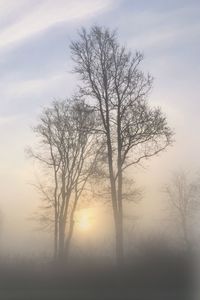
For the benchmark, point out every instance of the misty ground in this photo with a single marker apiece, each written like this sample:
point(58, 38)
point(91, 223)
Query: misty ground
point(158, 274)
point(87, 294)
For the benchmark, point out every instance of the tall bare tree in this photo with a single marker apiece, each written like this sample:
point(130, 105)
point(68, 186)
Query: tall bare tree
point(117, 88)
point(68, 150)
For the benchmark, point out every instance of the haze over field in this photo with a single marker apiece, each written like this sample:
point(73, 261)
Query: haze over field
point(35, 68)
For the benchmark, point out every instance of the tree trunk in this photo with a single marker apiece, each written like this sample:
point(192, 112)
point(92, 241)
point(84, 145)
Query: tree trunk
point(119, 241)
point(120, 233)
point(61, 240)
point(116, 191)
point(117, 214)
point(185, 234)
point(114, 204)
point(68, 241)
point(56, 239)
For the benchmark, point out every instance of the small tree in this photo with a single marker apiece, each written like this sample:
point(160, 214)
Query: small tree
point(183, 196)
point(111, 77)
point(68, 151)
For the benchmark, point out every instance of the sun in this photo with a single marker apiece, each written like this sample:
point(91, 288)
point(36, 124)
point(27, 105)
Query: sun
point(84, 222)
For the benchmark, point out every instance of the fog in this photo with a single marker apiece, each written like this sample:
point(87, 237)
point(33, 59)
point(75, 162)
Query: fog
point(36, 69)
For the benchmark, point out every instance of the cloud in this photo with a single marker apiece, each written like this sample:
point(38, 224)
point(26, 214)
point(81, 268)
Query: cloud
point(166, 37)
point(43, 14)
point(156, 29)
point(28, 96)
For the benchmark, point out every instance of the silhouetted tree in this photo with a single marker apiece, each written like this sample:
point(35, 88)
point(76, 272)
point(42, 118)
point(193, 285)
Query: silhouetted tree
point(111, 77)
point(68, 150)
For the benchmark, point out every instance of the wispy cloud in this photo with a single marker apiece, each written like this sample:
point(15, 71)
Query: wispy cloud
point(28, 96)
point(43, 14)
point(161, 28)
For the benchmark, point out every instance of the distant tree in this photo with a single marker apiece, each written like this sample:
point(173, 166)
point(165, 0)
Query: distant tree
point(118, 90)
point(68, 150)
point(183, 196)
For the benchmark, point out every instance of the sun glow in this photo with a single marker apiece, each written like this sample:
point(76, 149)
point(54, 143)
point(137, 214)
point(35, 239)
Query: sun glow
point(84, 222)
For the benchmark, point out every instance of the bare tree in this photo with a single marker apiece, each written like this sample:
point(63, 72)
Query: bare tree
point(68, 150)
point(117, 88)
point(183, 196)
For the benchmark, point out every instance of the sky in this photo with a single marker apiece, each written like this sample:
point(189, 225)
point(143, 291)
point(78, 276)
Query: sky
point(35, 68)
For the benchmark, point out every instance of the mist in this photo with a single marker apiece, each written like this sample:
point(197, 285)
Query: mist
point(100, 173)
